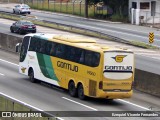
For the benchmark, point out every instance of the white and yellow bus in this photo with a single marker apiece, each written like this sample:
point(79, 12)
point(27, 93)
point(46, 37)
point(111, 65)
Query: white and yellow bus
point(78, 64)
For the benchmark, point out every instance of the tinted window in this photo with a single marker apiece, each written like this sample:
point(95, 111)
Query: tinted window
point(32, 46)
point(73, 54)
point(70, 53)
point(91, 58)
point(24, 48)
point(60, 50)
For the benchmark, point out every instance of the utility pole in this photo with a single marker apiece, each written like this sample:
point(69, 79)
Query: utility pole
point(86, 9)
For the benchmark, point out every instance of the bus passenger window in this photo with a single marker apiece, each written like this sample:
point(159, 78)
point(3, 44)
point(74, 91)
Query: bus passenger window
point(38, 46)
point(48, 48)
point(32, 44)
point(92, 58)
point(95, 59)
point(43, 45)
point(88, 58)
point(52, 51)
point(81, 59)
point(60, 51)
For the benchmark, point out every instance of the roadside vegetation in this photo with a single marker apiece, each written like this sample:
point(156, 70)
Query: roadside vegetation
point(113, 10)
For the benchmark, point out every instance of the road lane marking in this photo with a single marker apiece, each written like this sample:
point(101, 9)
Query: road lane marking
point(133, 104)
point(28, 105)
point(80, 103)
point(1, 74)
point(9, 62)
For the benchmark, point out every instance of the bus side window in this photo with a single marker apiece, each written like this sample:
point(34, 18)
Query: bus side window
point(60, 51)
point(32, 44)
point(43, 45)
point(81, 59)
point(38, 46)
point(53, 49)
point(95, 59)
point(24, 48)
point(71, 54)
point(92, 58)
point(48, 48)
point(88, 58)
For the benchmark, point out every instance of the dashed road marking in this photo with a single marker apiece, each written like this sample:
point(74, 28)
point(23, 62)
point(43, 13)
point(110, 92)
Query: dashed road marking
point(1, 74)
point(8, 62)
point(80, 103)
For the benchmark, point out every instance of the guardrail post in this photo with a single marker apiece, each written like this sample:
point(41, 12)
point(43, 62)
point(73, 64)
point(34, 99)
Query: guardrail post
point(37, 3)
point(60, 5)
point(66, 6)
point(48, 4)
point(73, 7)
point(80, 7)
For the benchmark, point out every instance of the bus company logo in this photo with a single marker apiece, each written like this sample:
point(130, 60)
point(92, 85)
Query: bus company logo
point(23, 69)
point(119, 58)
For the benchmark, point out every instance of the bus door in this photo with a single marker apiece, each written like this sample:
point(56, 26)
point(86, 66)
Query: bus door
point(118, 71)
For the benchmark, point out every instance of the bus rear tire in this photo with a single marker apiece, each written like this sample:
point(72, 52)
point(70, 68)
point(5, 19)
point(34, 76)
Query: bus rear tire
point(81, 92)
point(31, 76)
point(72, 89)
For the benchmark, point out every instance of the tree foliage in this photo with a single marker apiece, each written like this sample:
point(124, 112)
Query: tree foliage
point(119, 6)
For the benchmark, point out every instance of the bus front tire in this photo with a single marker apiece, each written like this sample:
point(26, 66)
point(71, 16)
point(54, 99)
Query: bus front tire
point(31, 76)
point(72, 89)
point(81, 92)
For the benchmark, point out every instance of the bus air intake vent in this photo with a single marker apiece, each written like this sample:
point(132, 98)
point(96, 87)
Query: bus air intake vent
point(92, 87)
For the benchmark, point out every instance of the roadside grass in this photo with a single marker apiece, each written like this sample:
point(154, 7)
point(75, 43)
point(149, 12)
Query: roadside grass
point(81, 31)
point(144, 45)
point(10, 106)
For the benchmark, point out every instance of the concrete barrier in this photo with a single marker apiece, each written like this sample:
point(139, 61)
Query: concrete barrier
point(144, 81)
point(147, 82)
point(8, 42)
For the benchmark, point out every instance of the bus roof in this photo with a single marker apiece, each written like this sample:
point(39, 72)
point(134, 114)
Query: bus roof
point(74, 39)
point(78, 41)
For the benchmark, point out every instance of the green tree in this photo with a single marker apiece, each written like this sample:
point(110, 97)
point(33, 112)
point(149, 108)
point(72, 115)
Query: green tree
point(119, 7)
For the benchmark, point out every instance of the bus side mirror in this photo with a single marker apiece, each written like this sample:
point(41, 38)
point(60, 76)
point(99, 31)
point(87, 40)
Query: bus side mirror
point(18, 47)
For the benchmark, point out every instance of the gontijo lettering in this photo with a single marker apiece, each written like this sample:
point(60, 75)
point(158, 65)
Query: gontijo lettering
point(67, 66)
point(118, 69)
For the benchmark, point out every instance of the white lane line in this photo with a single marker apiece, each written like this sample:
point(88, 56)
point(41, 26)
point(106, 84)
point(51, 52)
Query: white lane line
point(1, 74)
point(80, 103)
point(9, 62)
point(133, 104)
point(21, 102)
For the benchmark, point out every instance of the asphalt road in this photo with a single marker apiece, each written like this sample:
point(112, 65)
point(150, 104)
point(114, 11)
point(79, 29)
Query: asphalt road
point(147, 60)
point(51, 98)
point(124, 31)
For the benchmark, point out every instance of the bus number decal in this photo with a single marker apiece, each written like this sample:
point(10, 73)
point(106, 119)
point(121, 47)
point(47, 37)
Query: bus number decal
point(91, 73)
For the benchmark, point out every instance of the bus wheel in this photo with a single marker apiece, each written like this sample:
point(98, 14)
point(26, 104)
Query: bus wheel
point(31, 76)
point(72, 89)
point(81, 92)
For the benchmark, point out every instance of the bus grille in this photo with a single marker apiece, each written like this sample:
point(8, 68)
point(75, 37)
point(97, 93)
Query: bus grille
point(92, 87)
